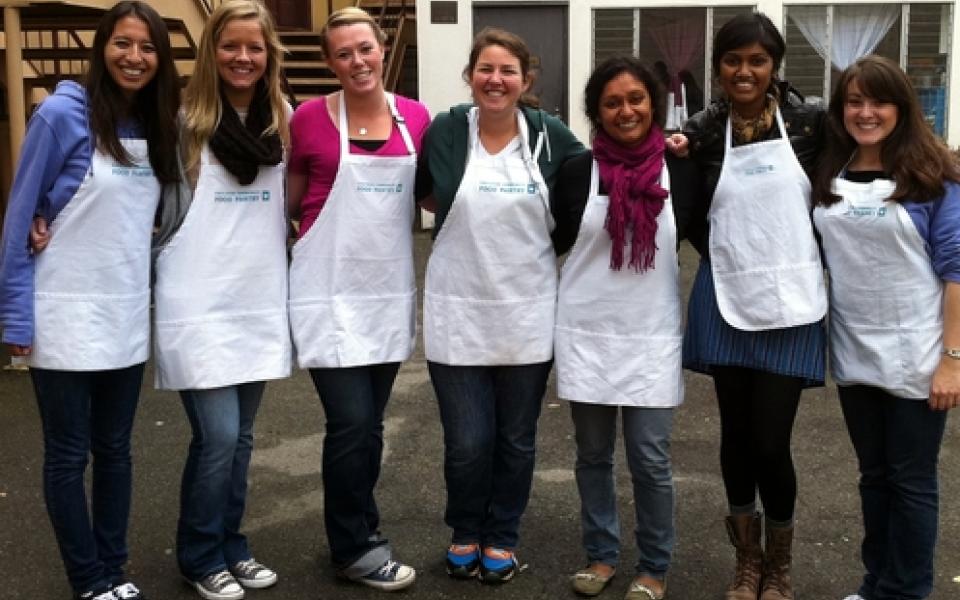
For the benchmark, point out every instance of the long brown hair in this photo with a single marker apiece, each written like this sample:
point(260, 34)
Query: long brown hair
point(917, 160)
point(155, 106)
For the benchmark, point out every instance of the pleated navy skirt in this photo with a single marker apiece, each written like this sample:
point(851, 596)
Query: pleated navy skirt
point(709, 341)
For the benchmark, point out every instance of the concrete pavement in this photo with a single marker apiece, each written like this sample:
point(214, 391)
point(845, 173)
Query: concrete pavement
point(285, 522)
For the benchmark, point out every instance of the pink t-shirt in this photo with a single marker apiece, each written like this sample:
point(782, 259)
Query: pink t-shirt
point(315, 149)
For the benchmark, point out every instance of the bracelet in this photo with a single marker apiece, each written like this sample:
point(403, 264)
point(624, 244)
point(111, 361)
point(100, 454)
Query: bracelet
point(953, 353)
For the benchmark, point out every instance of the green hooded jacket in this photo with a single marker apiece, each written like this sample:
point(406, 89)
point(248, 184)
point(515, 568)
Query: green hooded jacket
point(443, 157)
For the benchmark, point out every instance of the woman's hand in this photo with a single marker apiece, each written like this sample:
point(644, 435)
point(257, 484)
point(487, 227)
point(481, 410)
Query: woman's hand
point(945, 387)
point(678, 145)
point(39, 238)
point(16, 350)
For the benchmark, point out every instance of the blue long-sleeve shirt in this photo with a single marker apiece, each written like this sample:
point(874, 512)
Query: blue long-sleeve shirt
point(938, 223)
point(54, 159)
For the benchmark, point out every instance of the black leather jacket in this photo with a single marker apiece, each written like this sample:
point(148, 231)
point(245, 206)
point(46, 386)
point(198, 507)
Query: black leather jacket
point(706, 130)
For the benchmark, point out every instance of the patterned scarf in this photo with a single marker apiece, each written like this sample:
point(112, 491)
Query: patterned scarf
point(631, 177)
point(747, 130)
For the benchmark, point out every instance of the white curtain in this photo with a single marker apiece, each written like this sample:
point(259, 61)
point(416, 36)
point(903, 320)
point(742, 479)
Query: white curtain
point(857, 29)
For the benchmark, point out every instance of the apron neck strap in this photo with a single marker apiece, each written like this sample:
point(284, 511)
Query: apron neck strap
point(594, 179)
point(401, 123)
point(398, 119)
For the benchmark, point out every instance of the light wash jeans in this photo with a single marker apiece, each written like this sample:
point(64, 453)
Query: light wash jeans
point(646, 434)
point(213, 493)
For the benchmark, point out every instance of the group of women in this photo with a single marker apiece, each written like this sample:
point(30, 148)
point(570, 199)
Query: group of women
point(512, 189)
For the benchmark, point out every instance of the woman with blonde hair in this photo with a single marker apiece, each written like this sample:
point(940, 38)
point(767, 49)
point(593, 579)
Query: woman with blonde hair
point(221, 289)
point(352, 287)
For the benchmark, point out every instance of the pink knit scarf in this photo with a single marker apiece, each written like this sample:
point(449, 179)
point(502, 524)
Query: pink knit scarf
point(631, 177)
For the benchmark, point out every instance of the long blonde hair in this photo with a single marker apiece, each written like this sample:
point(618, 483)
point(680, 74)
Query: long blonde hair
point(202, 108)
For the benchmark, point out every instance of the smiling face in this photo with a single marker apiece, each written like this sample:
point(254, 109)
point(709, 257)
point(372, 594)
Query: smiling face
point(745, 75)
point(497, 81)
point(868, 121)
point(130, 55)
point(626, 111)
point(241, 59)
point(356, 57)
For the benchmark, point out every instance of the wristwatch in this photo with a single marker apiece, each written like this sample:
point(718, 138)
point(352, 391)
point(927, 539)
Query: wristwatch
point(953, 353)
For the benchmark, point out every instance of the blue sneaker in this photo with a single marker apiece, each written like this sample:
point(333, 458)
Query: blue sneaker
point(389, 576)
point(497, 565)
point(463, 561)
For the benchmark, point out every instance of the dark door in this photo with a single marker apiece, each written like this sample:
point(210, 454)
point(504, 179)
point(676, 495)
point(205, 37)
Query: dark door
point(544, 28)
point(290, 14)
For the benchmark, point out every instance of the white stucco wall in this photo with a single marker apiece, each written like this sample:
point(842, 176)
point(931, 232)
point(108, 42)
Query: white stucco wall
point(443, 50)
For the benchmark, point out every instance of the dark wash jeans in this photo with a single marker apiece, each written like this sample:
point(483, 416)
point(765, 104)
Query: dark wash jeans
point(897, 442)
point(489, 416)
point(88, 413)
point(354, 399)
point(213, 493)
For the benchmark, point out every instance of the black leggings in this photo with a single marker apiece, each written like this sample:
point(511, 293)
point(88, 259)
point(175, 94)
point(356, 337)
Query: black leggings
point(757, 410)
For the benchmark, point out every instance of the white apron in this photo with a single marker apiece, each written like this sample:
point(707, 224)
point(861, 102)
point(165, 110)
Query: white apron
point(886, 301)
point(765, 261)
point(92, 294)
point(221, 289)
point(619, 333)
point(352, 283)
point(491, 283)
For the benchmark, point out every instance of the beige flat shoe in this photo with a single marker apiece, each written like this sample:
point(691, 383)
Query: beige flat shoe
point(644, 588)
point(589, 581)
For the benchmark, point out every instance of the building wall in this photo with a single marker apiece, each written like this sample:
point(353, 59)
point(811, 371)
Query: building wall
point(443, 49)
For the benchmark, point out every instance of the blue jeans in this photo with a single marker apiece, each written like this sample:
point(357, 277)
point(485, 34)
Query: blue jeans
point(489, 417)
point(646, 436)
point(213, 493)
point(354, 400)
point(897, 442)
point(82, 413)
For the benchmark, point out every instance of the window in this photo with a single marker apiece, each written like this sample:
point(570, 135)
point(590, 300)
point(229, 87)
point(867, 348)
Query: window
point(914, 35)
point(673, 42)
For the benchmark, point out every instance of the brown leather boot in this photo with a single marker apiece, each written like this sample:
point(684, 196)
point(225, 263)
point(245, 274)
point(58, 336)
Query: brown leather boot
point(744, 531)
point(776, 564)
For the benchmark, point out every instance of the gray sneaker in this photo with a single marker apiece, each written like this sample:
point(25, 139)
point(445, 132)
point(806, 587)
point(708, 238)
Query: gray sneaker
point(219, 586)
point(251, 574)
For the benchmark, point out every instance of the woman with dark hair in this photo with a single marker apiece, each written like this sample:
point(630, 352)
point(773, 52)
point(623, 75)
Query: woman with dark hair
point(623, 209)
point(888, 212)
point(92, 164)
point(491, 296)
point(758, 299)
point(221, 288)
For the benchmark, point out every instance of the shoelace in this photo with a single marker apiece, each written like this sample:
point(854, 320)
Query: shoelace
point(221, 580)
point(125, 591)
point(388, 569)
point(248, 567)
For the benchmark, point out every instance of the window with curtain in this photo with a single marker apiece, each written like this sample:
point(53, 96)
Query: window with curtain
point(822, 40)
point(672, 42)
